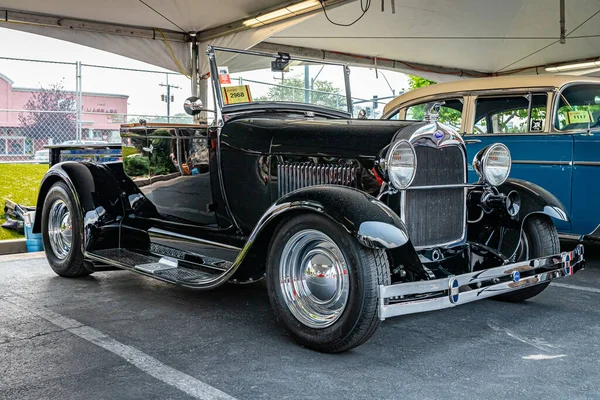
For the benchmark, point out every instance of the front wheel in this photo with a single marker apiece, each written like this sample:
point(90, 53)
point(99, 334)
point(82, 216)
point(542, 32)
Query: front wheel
point(539, 238)
point(323, 285)
point(62, 232)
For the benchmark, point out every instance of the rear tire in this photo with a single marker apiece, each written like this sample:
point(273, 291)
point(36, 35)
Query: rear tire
point(541, 239)
point(325, 293)
point(62, 232)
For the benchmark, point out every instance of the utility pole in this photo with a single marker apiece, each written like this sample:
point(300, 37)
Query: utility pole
point(168, 98)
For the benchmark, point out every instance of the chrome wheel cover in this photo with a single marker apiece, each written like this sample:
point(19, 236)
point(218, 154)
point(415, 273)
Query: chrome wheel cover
point(313, 274)
point(60, 233)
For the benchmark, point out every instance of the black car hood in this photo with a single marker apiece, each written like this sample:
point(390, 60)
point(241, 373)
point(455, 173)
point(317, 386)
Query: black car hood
point(301, 136)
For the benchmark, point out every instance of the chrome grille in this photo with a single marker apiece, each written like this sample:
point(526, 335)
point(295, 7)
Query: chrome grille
point(294, 176)
point(436, 216)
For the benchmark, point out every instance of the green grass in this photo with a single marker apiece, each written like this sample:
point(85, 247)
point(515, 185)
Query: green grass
point(19, 183)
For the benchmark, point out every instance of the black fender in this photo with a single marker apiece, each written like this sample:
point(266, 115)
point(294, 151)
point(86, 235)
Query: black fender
point(369, 220)
point(535, 200)
point(96, 193)
point(501, 232)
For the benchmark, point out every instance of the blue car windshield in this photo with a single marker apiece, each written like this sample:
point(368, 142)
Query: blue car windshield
point(579, 107)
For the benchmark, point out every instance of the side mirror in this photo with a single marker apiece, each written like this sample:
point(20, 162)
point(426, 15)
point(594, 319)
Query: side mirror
point(193, 105)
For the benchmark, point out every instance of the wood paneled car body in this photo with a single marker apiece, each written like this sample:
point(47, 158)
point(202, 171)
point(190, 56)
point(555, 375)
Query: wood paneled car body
point(350, 221)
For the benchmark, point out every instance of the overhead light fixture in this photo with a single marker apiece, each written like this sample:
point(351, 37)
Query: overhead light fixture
point(573, 67)
point(289, 11)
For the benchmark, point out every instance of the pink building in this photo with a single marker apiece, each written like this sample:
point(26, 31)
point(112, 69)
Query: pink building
point(101, 117)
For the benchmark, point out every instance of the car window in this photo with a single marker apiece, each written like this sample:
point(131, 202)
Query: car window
point(578, 108)
point(510, 114)
point(450, 112)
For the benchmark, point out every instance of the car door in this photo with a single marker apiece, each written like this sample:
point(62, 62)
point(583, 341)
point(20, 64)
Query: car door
point(578, 115)
point(520, 121)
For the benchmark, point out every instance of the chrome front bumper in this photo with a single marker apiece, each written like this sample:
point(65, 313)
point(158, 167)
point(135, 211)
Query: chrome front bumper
point(421, 296)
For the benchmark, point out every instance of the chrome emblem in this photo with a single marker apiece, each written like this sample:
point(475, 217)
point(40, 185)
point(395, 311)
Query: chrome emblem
point(516, 276)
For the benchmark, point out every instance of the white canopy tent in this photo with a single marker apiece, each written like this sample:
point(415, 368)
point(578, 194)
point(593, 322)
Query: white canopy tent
point(438, 39)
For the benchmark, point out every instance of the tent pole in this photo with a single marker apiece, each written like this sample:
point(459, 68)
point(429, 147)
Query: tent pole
point(194, 67)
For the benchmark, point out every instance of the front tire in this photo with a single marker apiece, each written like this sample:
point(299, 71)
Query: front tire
point(323, 285)
point(62, 232)
point(539, 239)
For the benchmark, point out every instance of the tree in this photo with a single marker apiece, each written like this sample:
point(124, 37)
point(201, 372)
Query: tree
point(51, 115)
point(447, 115)
point(323, 93)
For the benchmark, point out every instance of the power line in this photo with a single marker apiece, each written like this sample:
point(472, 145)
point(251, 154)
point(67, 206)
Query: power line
point(551, 44)
point(364, 10)
point(162, 15)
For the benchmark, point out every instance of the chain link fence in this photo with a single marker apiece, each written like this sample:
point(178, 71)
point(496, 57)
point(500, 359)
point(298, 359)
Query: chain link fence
point(45, 103)
point(48, 103)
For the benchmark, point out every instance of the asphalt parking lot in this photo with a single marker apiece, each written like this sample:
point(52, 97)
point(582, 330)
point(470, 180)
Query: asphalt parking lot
point(119, 335)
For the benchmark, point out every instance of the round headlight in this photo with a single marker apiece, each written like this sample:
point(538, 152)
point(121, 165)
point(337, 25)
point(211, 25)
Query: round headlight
point(401, 164)
point(492, 164)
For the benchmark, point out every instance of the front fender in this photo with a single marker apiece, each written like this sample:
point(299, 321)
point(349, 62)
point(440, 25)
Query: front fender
point(96, 193)
point(370, 221)
point(502, 233)
point(535, 200)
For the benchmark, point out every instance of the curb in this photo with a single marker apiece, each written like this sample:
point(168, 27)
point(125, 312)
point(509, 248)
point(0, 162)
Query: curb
point(13, 246)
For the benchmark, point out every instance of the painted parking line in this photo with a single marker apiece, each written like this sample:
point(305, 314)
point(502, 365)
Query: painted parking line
point(583, 288)
point(150, 365)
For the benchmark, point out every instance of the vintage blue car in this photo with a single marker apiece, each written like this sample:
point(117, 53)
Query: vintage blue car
point(550, 124)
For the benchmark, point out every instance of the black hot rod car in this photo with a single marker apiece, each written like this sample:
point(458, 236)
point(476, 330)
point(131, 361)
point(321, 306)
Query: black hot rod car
point(350, 221)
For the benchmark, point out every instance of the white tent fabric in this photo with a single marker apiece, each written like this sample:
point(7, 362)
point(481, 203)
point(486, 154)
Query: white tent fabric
point(480, 37)
point(154, 52)
point(489, 36)
point(179, 15)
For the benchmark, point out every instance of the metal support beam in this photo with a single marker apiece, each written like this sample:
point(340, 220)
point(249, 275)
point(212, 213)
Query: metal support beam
point(363, 61)
point(563, 29)
point(23, 17)
point(239, 26)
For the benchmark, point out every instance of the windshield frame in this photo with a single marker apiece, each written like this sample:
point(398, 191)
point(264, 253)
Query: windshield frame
point(214, 74)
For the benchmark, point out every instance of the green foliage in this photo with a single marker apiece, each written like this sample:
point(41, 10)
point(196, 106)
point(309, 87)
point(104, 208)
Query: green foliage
point(162, 156)
point(136, 165)
point(292, 89)
point(447, 115)
point(415, 82)
point(19, 183)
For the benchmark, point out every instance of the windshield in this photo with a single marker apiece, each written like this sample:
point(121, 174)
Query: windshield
point(250, 78)
point(579, 108)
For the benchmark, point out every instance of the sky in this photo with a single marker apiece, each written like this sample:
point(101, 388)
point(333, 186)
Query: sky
point(142, 87)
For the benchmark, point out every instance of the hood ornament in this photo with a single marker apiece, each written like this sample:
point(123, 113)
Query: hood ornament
point(432, 111)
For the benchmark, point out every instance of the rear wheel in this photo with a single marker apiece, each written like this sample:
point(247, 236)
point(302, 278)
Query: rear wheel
point(538, 239)
point(323, 285)
point(62, 232)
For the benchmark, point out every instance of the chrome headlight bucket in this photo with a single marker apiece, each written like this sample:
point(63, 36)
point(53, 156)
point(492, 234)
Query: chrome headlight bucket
point(492, 164)
point(401, 164)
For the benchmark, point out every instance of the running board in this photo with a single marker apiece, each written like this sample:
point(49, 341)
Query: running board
point(166, 268)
